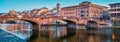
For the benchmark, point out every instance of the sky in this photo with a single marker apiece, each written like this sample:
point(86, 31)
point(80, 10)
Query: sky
point(22, 5)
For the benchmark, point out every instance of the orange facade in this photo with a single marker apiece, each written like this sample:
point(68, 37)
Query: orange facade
point(84, 9)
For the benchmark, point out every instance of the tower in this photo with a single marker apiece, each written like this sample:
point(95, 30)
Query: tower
point(58, 7)
point(58, 10)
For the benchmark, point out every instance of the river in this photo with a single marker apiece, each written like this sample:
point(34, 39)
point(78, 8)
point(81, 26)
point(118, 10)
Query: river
point(61, 33)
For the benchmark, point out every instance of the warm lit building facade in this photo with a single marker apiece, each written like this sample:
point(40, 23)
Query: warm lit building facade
point(84, 9)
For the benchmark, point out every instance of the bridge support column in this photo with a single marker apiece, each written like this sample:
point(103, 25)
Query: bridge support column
point(3, 21)
point(98, 25)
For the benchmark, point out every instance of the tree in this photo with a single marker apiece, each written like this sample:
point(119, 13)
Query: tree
point(115, 22)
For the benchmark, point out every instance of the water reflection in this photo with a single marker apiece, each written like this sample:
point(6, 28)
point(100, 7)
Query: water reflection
point(68, 33)
point(53, 31)
point(116, 35)
point(64, 34)
point(22, 30)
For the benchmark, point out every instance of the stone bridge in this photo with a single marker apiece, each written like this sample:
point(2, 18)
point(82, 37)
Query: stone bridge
point(38, 21)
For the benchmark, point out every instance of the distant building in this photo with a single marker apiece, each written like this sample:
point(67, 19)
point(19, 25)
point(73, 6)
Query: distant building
point(114, 12)
point(41, 11)
point(57, 10)
point(84, 10)
point(1, 14)
point(12, 12)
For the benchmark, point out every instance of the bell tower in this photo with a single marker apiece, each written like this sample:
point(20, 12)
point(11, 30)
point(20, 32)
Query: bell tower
point(58, 7)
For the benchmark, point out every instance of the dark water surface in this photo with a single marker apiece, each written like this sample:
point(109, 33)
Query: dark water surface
point(60, 34)
point(65, 34)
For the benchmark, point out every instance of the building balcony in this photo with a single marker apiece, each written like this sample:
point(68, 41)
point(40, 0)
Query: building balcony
point(115, 12)
point(115, 8)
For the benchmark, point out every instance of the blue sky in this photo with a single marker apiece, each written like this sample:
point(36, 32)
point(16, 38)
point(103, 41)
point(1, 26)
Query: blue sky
point(21, 5)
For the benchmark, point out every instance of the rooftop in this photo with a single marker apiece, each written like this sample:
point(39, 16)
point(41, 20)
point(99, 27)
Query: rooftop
point(84, 3)
point(114, 3)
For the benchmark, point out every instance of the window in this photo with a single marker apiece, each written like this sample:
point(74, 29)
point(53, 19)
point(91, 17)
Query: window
point(103, 12)
point(118, 14)
point(69, 13)
point(87, 15)
point(112, 6)
point(82, 15)
point(82, 11)
point(87, 11)
point(111, 9)
point(119, 5)
point(112, 15)
point(118, 9)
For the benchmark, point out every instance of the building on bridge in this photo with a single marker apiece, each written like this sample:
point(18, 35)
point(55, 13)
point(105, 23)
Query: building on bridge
point(57, 10)
point(84, 9)
point(32, 13)
point(114, 11)
point(39, 12)
point(12, 12)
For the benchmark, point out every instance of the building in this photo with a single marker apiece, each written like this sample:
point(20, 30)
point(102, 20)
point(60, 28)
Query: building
point(12, 12)
point(84, 10)
point(114, 12)
point(1, 14)
point(57, 10)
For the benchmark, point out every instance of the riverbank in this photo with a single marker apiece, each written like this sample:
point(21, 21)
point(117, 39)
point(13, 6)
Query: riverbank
point(7, 37)
point(114, 27)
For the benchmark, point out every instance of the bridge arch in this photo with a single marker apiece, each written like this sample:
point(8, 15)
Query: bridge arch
point(65, 20)
point(70, 24)
point(91, 24)
point(11, 22)
point(92, 21)
point(69, 21)
point(34, 23)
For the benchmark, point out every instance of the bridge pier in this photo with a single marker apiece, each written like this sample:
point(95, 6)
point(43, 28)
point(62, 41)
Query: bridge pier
point(3, 21)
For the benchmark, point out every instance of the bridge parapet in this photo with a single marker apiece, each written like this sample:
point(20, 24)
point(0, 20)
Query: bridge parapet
point(40, 20)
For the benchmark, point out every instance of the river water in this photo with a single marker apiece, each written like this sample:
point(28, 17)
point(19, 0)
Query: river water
point(62, 33)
